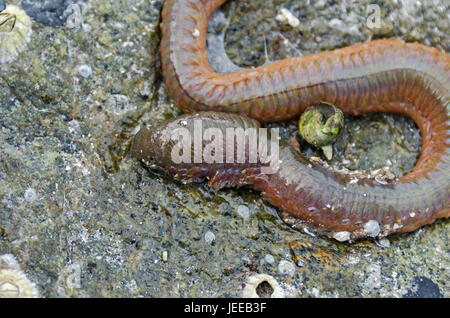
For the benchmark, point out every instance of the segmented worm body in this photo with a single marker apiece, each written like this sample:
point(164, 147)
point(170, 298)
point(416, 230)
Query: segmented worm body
point(379, 76)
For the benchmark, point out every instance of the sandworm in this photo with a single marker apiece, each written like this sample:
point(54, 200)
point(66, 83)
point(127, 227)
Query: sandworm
point(383, 75)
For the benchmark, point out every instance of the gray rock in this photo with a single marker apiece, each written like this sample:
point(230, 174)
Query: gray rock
point(109, 227)
point(52, 13)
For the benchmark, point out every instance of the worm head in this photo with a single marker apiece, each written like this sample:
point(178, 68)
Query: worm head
point(147, 147)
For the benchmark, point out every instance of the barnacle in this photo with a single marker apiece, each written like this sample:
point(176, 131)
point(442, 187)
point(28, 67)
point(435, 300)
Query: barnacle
point(15, 33)
point(262, 281)
point(321, 125)
point(13, 282)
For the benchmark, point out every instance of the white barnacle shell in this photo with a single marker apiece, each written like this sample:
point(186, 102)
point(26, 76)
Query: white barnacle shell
point(13, 282)
point(342, 236)
point(250, 289)
point(15, 33)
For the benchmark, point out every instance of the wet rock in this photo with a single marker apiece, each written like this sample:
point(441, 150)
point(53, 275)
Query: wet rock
point(423, 287)
point(103, 221)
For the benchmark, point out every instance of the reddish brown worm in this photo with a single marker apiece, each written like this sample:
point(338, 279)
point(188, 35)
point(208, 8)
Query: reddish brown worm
point(379, 76)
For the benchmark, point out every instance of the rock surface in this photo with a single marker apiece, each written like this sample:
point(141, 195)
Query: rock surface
point(84, 219)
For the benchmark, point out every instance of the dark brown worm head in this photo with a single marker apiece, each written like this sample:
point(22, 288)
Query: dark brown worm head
point(154, 144)
point(144, 147)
